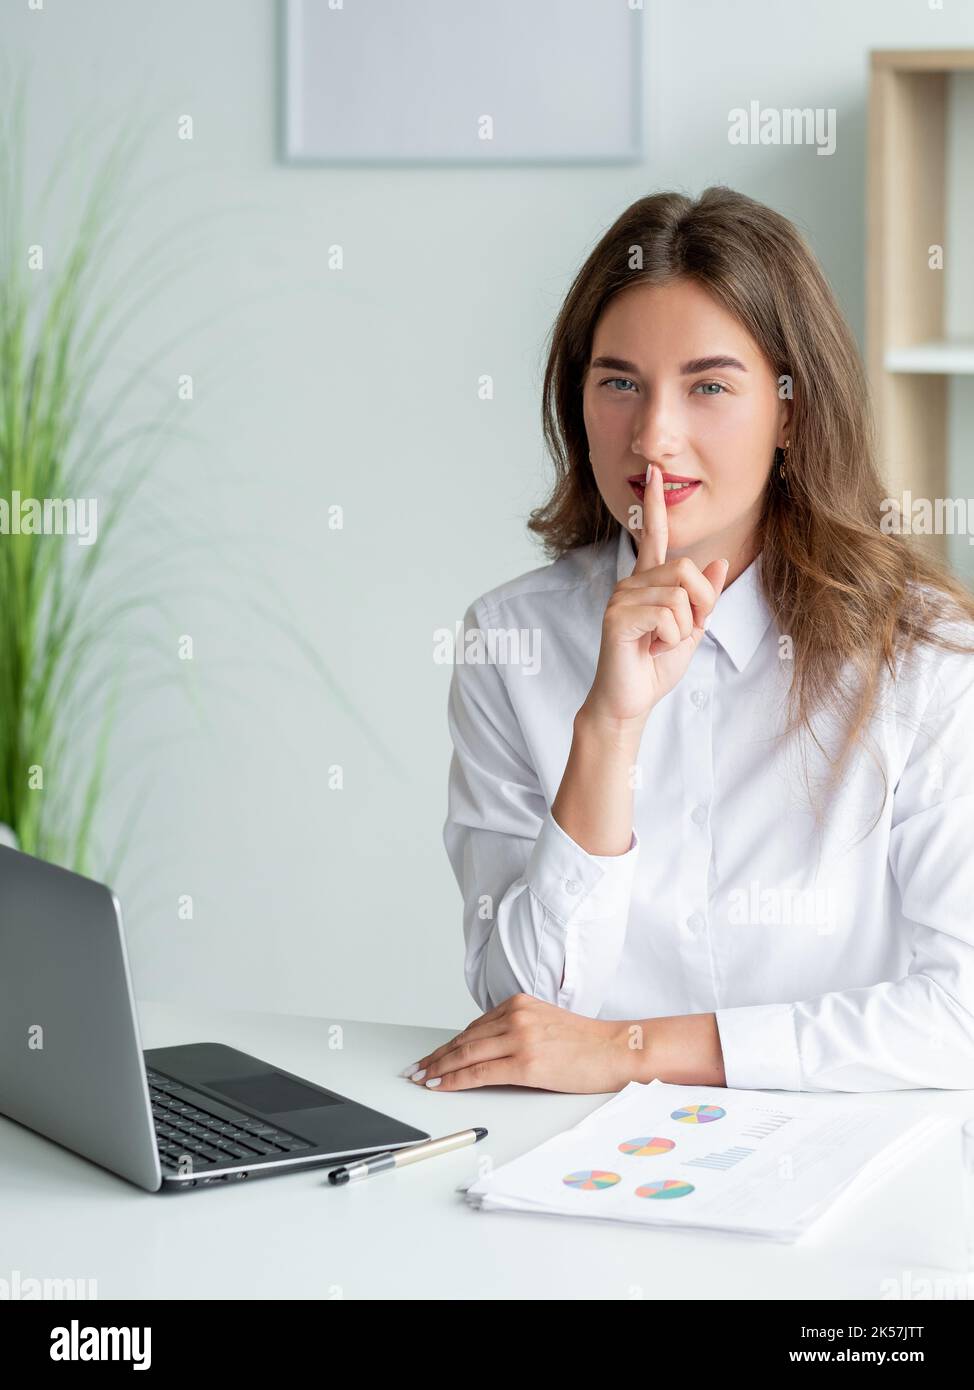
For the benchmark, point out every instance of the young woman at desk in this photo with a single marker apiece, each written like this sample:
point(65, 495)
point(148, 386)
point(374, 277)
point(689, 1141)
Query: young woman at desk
point(725, 834)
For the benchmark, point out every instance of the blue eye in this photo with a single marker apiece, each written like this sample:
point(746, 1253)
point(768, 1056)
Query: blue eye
point(706, 388)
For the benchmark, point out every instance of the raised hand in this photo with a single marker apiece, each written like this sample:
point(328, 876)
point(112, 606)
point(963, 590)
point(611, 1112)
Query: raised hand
point(653, 621)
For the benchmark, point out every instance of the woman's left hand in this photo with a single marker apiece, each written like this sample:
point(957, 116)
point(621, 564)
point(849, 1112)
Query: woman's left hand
point(527, 1042)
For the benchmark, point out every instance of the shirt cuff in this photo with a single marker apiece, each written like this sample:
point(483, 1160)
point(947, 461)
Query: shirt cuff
point(563, 876)
point(760, 1047)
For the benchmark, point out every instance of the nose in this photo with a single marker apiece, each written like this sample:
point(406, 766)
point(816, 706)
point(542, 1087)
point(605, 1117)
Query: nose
point(657, 435)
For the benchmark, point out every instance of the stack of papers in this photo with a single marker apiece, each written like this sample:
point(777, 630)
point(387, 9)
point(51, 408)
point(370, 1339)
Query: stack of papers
point(709, 1158)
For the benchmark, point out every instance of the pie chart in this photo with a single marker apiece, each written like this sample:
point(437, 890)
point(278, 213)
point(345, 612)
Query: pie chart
point(645, 1148)
point(591, 1179)
point(662, 1191)
point(698, 1114)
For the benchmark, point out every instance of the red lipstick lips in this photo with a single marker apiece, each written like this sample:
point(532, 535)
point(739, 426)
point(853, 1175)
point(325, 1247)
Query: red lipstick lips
point(667, 478)
point(672, 496)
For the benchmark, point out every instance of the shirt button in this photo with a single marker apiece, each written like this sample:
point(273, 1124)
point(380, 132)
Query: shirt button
point(699, 815)
point(695, 923)
point(699, 698)
point(571, 885)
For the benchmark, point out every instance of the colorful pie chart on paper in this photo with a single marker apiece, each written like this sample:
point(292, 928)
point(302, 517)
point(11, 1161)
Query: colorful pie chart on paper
point(591, 1179)
point(698, 1114)
point(662, 1191)
point(645, 1148)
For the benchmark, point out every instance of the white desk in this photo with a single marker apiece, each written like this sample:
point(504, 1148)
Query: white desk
point(409, 1234)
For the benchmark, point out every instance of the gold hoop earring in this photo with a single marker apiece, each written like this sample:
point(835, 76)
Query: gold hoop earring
point(781, 456)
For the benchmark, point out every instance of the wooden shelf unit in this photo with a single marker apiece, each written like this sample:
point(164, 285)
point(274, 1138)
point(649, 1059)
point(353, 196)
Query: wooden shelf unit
point(909, 354)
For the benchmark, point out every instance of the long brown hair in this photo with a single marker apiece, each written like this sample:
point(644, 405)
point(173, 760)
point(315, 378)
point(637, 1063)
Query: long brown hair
point(839, 586)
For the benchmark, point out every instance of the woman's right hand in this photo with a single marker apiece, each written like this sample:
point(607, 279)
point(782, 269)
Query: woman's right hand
point(653, 623)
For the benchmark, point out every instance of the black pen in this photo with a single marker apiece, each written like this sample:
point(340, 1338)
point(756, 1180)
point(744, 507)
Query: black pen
point(398, 1158)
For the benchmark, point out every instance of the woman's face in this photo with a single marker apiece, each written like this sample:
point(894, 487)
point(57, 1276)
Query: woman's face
point(675, 380)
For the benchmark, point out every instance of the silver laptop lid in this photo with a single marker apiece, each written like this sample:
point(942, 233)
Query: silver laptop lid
point(71, 1063)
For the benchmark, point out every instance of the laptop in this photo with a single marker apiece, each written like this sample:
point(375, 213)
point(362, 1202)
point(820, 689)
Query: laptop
point(72, 1066)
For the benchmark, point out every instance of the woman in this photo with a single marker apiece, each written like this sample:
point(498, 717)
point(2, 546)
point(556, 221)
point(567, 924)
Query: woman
point(721, 834)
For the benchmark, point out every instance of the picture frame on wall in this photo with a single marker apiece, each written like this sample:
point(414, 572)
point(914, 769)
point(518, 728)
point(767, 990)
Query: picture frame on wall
point(461, 82)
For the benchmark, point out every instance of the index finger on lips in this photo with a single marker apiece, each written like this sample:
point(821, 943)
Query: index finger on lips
point(655, 534)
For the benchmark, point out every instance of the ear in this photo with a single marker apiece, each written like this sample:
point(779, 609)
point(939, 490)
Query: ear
point(784, 422)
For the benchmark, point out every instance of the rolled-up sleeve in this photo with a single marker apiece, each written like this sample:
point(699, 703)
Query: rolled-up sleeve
point(541, 915)
point(917, 1031)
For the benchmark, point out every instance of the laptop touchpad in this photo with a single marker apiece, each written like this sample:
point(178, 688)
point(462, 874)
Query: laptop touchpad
point(270, 1092)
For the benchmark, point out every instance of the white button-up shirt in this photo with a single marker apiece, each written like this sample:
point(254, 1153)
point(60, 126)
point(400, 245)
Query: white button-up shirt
point(841, 962)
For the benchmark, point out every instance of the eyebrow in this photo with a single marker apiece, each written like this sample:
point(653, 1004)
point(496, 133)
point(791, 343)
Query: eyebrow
point(698, 364)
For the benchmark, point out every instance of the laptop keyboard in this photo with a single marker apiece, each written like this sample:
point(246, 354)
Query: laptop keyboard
point(191, 1125)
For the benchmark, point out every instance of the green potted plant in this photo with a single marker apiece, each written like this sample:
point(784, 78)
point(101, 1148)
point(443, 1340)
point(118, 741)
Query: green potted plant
point(65, 483)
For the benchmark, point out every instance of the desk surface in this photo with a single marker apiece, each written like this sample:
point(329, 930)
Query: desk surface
point(409, 1234)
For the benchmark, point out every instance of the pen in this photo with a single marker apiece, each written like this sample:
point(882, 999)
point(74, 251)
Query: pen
point(398, 1158)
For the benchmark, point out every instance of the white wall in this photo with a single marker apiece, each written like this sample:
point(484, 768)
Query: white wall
point(359, 388)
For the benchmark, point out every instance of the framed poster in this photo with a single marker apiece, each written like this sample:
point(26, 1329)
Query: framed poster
point(462, 81)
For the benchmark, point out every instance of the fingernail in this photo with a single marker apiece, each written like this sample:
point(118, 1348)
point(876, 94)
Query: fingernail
point(408, 1071)
point(434, 1081)
point(418, 1076)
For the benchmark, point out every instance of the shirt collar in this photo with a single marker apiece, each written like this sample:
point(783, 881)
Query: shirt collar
point(741, 614)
